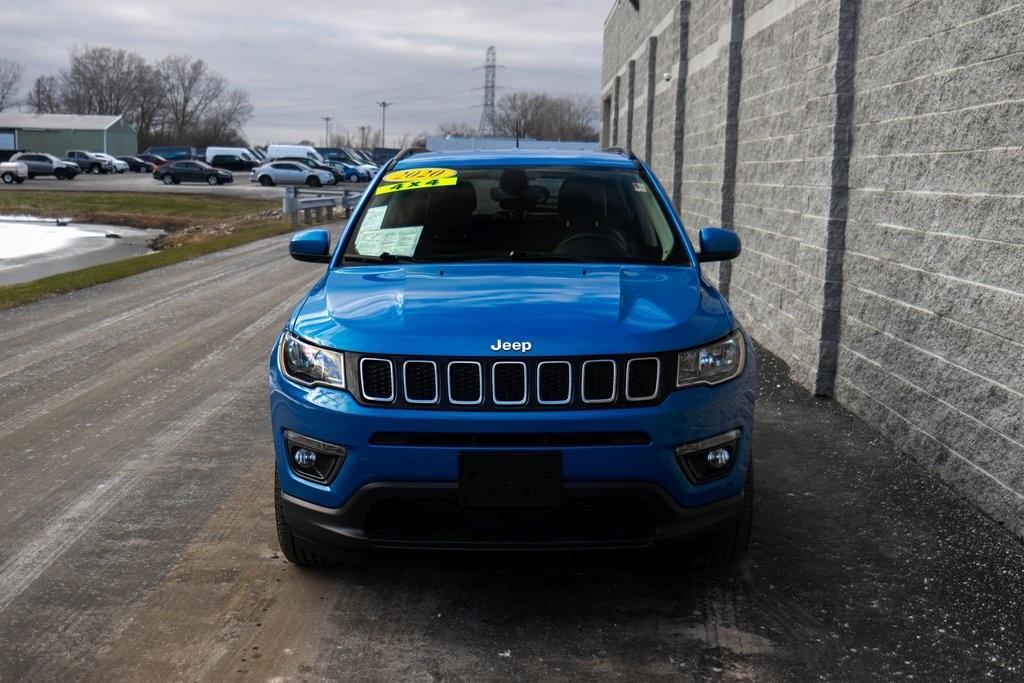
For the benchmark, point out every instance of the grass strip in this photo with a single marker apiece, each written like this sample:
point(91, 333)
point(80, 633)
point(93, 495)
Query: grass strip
point(23, 293)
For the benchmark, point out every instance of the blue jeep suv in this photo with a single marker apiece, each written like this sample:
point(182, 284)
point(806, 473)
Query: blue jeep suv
point(513, 351)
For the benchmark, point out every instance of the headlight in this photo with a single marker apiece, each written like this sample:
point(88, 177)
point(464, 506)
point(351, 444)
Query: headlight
point(310, 364)
point(712, 364)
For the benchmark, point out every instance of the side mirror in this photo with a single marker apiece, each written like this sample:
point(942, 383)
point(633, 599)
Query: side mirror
point(313, 246)
point(718, 244)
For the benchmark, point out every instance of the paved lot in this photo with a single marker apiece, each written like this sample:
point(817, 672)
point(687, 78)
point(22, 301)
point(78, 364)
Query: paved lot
point(137, 542)
point(144, 182)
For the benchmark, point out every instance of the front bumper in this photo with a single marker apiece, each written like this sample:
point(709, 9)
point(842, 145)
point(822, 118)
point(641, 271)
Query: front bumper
point(372, 503)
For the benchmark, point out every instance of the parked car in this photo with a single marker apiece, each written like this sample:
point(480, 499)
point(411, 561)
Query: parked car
point(154, 159)
point(119, 166)
point(40, 163)
point(513, 350)
point(300, 151)
point(137, 165)
point(290, 173)
point(233, 162)
point(190, 171)
point(90, 162)
point(357, 174)
point(337, 173)
point(172, 153)
point(13, 172)
point(243, 153)
point(358, 170)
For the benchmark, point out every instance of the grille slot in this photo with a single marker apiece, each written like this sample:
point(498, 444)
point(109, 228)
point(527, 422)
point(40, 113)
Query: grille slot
point(642, 378)
point(420, 380)
point(377, 379)
point(599, 381)
point(508, 383)
point(465, 383)
point(554, 382)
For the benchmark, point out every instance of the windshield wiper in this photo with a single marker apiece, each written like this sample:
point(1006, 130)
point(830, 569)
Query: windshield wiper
point(383, 258)
point(514, 255)
point(518, 255)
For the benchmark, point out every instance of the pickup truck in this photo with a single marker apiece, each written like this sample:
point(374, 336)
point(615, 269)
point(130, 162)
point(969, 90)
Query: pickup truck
point(513, 351)
point(13, 172)
point(89, 162)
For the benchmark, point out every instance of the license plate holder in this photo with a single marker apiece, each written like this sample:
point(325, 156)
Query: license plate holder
point(510, 478)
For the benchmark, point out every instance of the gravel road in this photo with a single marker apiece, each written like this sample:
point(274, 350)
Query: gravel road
point(137, 541)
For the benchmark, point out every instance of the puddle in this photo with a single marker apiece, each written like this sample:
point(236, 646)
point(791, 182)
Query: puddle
point(31, 248)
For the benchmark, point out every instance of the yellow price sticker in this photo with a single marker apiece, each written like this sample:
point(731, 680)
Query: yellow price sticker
point(415, 185)
point(419, 174)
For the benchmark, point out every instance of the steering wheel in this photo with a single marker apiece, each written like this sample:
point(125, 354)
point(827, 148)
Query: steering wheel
point(593, 244)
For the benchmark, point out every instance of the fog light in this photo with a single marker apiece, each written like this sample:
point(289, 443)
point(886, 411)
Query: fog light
point(313, 459)
point(710, 458)
point(718, 458)
point(305, 458)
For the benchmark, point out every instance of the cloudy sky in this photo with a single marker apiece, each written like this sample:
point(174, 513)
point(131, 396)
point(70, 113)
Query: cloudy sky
point(303, 60)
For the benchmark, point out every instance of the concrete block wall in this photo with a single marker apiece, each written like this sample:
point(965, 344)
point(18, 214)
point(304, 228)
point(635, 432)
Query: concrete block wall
point(787, 113)
point(932, 333)
point(869, 154)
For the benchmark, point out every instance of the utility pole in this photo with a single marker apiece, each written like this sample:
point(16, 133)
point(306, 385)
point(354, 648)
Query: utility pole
point(383, 120)
point(364, 132)
point(327, 130)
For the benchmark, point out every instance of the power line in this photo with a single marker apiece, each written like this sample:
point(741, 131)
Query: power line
point(320, 102)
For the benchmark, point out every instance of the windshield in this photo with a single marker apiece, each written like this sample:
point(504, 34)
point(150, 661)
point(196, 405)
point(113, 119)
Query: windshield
point(515, 214)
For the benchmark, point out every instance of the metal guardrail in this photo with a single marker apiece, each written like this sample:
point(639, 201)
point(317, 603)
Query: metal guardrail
point(313, 202)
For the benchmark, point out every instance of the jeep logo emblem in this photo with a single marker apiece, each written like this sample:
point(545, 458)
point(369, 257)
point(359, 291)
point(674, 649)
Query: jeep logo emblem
point(522, 346)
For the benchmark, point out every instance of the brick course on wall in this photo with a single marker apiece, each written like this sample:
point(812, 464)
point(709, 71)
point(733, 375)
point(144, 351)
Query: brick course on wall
point(869, 154)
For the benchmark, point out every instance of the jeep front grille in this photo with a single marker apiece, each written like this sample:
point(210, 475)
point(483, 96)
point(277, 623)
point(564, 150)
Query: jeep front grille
point(506, 384)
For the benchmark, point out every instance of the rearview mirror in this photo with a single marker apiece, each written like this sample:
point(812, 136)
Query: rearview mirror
point(313, 246)
point(718, 244)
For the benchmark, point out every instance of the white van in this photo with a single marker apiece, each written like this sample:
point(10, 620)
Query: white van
point(278, 151)
point(240, 152)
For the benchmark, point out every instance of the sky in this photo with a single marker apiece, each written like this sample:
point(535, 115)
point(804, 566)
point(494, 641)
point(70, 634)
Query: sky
point(300, 61)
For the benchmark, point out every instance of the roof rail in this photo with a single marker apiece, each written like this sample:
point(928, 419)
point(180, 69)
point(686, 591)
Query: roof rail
point(618, 150)
point(405, 152)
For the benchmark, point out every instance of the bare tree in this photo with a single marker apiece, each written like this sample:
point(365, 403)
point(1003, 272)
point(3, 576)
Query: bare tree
point(223, 121)
point(148, 108)
point(102, 80)
point(452, 129)
point(546, 117)
point(340, 139)
point(177, 100)
point(191, 89)
point(45, 96)
point(10, 78)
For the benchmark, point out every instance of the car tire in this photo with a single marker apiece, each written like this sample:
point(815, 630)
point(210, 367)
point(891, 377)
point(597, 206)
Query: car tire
point(19, 180)
point(59, 174)
point(294, 549)
point(312, 181)
point(266, 181)
point(353, 178)
point(727, 548)
point(168, 179)
point(95, 169)
point(7, 177)
point(212, 180)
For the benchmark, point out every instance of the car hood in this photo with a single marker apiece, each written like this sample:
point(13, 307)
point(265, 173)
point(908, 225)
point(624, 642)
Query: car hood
point(462, 309)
